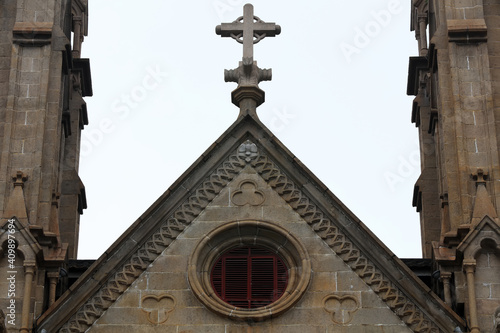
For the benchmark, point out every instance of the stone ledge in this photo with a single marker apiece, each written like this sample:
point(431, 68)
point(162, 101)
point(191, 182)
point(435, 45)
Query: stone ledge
point(467, 31)
point(32, 33)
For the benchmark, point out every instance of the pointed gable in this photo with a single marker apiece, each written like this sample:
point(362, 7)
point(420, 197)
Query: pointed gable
point(248, 236)
point(249, 175)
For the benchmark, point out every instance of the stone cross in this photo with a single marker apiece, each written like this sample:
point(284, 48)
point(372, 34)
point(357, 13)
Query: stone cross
point(248, 30)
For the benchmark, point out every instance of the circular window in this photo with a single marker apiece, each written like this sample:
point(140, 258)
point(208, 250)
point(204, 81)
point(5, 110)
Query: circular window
point(249, 270)
point(249, 277)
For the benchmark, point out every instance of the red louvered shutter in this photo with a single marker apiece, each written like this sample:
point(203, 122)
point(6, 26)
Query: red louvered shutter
point(249, 277)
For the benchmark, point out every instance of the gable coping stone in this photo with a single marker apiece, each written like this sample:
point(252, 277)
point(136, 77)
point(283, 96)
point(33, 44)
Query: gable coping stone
point(395, 299)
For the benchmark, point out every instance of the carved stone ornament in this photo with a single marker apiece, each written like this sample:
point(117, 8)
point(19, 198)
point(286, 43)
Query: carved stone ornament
point(167, 232)
point(248, 151)
point(327, 229)
point(323, 225)
point(341, 308)
point(248, 194)
point(248, 30)
point(158, 307)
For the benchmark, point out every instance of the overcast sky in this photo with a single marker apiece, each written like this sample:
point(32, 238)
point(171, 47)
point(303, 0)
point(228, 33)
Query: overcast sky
point(337, 101)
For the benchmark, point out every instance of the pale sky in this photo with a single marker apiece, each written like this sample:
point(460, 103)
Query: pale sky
point(337, 100)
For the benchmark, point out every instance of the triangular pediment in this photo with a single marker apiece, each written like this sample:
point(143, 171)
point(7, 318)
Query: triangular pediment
point(230, 182)
point(13, 231)
point(485, 234)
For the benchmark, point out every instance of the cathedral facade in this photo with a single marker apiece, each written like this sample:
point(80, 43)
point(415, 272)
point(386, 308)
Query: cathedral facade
point(248, 239)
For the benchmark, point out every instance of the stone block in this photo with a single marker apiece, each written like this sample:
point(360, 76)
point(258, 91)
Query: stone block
point(16, 146)
point(298, 316)
point(494, 261)
point(20, 161)
point(167, 281)
point(120, 328)
point(479, 159)
point(170, 262)
point(286, 214)
point(461, 4)
point(4, 63)
point(129, 299)
point(487, 306)
point(473, 12)
point(127, 316)
point(141, 283)
point(23, 131)
point(349, 281)
point(483, 290)
point(205, 328)
point(185, 298)
point(327, 263)
point(28, 103)
point(5, 49)
point(29, 78)
point(316, 245)
point(312, 300)
point(473, 103)
point(33, 90)
point(182, 247)
point(487, 275)
point(298, 328)
point(486, 322)
point(369, 299)
point(375, 316)
point(226, 214)
point(482, 262)
point(323, 281)
point(196, 316)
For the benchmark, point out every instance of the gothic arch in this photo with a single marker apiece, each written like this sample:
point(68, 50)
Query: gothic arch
point(484, 237)
point(26, 244)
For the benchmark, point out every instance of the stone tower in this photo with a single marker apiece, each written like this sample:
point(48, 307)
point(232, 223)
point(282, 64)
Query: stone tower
point(455, 80)
point(248, 239)
point(43, 81)
point(318, 267)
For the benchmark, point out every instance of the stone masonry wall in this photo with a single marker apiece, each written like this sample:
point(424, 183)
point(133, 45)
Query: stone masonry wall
point(161, 299)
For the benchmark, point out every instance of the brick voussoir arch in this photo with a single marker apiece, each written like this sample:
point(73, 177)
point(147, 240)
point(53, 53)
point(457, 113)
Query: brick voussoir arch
point(95, 307)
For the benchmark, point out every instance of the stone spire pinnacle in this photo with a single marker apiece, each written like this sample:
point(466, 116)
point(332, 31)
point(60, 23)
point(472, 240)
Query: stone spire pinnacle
point(248, 30)
point(482, 204)
point(16, 205)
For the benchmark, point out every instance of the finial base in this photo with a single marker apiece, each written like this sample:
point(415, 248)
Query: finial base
point(253, 93)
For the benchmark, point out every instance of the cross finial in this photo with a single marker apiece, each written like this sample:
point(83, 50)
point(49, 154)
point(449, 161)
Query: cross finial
point(248, 30)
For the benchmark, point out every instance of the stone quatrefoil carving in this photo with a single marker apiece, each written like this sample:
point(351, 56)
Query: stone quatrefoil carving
point(248, 152)
point(247, 194)
point(342, 308)
point(158, 307)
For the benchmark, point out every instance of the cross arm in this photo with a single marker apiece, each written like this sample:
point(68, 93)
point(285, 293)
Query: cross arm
point(226, 29)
